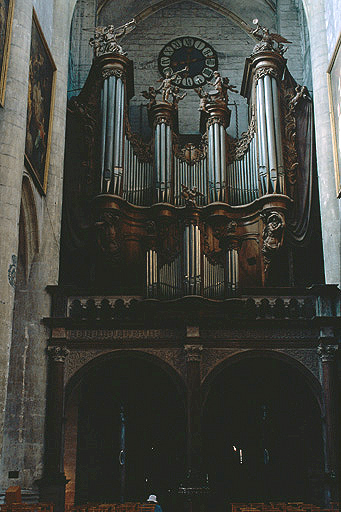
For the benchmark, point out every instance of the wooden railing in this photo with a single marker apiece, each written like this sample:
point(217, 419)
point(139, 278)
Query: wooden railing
point(283, 507)
point(26, 507)
point(111, 507)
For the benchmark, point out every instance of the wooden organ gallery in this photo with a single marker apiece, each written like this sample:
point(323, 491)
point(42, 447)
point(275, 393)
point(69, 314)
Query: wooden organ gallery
point(191, 251)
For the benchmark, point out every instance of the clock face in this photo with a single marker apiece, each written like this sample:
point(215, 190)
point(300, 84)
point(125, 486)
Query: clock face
point(191, 52)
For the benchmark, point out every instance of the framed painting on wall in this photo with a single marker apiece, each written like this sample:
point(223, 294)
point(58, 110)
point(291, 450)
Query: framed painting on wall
point(6, 18)
point(41, 91)
point(334, 92)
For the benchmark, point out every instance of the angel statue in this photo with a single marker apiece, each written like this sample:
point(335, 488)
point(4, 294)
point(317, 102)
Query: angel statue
point(166, 86)
point(221, 85)
point(177, 96)
point(267, 39)
point(106, 38)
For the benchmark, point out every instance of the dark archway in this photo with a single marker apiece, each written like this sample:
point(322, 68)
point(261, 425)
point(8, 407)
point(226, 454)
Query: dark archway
point(262, 434)
point(155, 431)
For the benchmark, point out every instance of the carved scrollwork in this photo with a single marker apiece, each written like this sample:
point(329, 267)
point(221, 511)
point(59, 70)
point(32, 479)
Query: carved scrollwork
point(216, 119)
point(273, 234)
point(239, 147)
point(140, 148)
point(289, 142)
point(266, 70)
point(190, 153)
point(118, 73)
point(168, 241)
point(108, 235)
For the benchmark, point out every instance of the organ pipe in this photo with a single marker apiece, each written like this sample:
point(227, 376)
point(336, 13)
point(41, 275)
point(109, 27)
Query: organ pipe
point(112, 140)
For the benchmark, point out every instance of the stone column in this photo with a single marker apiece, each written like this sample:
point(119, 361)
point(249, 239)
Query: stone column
point(12, 146)
point(327, 354)
point(330, 206)
point(195, 486)
point(52, 485)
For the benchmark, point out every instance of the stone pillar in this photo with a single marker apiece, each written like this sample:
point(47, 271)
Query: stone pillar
point(162, 115)
point(330, 206)
point(52, 485)
point(327, 354)
point(195, 487)
point(12, 145)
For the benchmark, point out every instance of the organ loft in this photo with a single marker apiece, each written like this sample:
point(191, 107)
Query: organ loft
point(183, 254)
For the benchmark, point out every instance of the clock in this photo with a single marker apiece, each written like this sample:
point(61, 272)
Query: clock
point(192, 53)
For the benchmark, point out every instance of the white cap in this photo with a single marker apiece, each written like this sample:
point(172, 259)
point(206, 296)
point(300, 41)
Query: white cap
point(152, 498)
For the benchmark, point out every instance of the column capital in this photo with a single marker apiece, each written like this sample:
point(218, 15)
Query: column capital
point(58, 354)
point(193, 353)
point(327, 353)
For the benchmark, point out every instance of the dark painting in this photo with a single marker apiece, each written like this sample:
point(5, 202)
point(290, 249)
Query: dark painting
point(6, 16)
point(41, 88)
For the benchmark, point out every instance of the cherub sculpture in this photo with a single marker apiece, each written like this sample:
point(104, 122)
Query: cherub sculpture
point(204, 98)
point(301, 93)
point(267, 39)
point(177, 96)
point(150, 95)
point(106, 38)
point(190, 195)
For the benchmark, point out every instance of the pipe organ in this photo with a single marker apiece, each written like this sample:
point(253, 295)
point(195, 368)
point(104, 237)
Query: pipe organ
point(218, 195)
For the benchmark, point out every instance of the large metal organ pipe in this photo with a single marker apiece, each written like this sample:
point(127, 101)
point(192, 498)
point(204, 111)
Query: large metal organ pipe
point(216, 161)
point(269, 131)
point(192, 260)
point(112, 140)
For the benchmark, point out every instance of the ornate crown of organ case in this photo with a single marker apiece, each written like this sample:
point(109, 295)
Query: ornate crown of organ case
point(208, 218)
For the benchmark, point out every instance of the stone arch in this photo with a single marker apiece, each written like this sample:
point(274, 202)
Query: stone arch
point(262, 414)
point(73, 400)
point(309, 378)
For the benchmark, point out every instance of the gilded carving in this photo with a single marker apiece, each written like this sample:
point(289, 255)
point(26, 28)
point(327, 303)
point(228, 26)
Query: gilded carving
point(106, 39)
point(140, 149)
point(273, 234)
point(190, 153)
point(241, 145)
point(289, 142)
point(107, 72)
point(266, 70)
